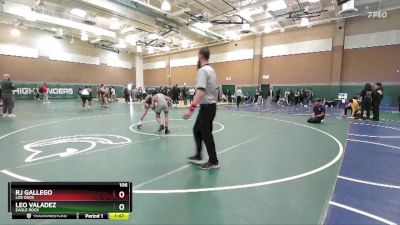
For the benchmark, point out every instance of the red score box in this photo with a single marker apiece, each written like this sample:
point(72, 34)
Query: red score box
point(60, 192)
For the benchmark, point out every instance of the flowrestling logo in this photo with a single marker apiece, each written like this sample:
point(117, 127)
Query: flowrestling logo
point(378, 15)
point(52, 91)
point(71, 145)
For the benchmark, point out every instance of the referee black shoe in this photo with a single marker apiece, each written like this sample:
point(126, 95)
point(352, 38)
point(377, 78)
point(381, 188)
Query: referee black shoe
point(197, 160)
point(161, 128)
point(208, 165)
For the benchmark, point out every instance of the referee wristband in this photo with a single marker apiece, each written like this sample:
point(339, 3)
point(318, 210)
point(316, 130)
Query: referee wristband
point(192, 107)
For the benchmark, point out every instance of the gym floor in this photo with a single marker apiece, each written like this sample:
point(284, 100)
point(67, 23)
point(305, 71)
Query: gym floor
point(276, 168)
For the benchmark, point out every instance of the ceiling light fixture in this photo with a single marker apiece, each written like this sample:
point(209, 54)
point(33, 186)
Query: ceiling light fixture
point(267, 29)
point(248, 13)
point(246, 28)
point(39, 4)
point(166, 6)
point(128, 29)
point(305, 22)
point(276, 5)
point(348, 8)
point(121, 45)
point(15, 32)
point(30, 17)
point(203, 26)
point(84, 36)
point(115, 24)
point(231, 35)
point(185, 43)
point(23, 11)
point(153, 36)
point(78, 12)
point(96, 40)
point(150, 50)
point(166, 48)
point(59, 33)
point(131, 39)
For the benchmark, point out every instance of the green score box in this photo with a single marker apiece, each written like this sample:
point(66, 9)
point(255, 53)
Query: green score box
point(70, 206)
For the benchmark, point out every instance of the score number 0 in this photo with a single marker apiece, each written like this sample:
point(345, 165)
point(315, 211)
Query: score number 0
point(121, 195)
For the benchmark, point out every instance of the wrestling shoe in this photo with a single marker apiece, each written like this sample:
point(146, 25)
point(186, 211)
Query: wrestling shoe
point(167, 131)
point(161, 128)
point(197, 160)
point(208, 165)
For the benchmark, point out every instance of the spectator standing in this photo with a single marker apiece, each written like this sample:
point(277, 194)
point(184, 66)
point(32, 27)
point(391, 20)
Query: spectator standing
point(376, 100)
point(239, 96)
point(229, 94)
point(126, 94)
point(7, 87)
point(270, 95)
point(175, 95)
point(113, 94)
point(366, 102)
point(36, 93)
point(140, 93)
point(45, 90)
point(184, 95)
point(133, 93)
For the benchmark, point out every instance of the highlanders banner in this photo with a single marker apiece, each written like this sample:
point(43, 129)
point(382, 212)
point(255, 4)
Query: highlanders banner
point(56, 91)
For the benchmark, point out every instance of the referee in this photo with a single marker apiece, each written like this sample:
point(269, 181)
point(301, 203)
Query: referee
point(206, 96)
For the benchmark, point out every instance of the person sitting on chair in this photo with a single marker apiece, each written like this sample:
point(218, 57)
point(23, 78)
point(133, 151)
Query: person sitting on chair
point(319, 112)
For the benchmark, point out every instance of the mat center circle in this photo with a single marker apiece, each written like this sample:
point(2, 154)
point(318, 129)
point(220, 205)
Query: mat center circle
point(176, 129)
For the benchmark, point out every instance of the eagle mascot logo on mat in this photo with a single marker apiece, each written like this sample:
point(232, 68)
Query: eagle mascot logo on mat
point(71, 145)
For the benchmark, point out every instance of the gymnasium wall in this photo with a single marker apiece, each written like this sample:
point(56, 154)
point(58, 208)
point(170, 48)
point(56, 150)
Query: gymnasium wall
point(233, 63)
point(298, 56)
point(155, 71)
point(372, 50)
point(330, 58)
point(36, 56)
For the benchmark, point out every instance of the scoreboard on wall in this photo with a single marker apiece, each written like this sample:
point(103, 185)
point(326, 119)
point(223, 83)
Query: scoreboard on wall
point(67, 200)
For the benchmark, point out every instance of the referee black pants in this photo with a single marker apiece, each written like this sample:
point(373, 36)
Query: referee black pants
point(202, 131)
point(238, 100)
point(375, 110)
point(7, 104)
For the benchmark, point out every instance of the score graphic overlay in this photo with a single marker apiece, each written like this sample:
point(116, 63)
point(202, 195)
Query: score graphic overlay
point(67, 200)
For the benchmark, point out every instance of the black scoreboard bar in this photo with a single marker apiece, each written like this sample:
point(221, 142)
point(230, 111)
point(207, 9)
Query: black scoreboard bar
point(70, 200)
